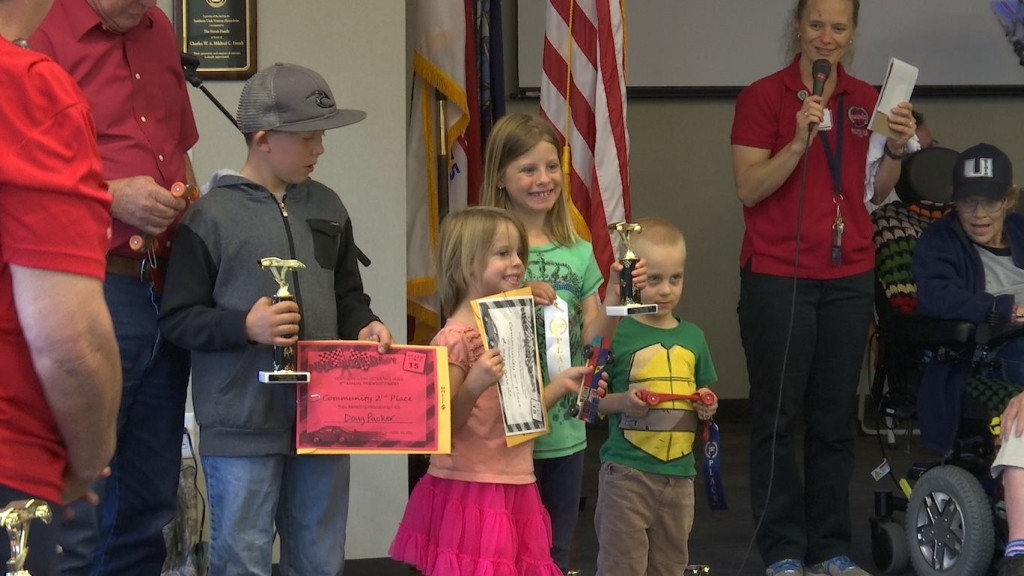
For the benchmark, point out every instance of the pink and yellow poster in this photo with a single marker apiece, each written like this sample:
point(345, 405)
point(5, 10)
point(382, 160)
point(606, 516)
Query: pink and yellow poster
point(359, 401)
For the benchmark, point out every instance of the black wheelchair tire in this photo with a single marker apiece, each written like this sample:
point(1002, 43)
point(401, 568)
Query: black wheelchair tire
point(948, 525)
point(889, 547)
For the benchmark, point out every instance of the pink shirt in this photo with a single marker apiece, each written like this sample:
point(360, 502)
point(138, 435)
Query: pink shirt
point(136, 88)
point(479, 452)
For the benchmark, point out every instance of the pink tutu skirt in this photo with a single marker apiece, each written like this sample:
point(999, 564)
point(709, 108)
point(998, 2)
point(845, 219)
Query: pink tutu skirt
point(458, 528)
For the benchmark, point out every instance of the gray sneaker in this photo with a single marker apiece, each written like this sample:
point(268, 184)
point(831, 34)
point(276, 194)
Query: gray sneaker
point(787, 567)
point(838, 566)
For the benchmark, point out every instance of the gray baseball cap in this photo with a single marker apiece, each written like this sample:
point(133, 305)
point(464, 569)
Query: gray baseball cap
point(290, 98)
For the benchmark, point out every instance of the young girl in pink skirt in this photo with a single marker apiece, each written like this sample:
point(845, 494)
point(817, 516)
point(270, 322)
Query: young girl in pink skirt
point(477, 511)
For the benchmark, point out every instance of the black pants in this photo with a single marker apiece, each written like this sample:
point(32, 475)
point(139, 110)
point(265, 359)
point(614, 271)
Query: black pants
point(806, 518)
point(42, 538)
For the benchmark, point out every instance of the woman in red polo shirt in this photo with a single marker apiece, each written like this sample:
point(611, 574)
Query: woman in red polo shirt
point(806, 283)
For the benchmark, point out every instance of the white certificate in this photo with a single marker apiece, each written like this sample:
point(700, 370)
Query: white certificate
point(507, 323)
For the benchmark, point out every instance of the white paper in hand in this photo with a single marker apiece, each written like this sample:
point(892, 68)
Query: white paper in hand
point(897, 87)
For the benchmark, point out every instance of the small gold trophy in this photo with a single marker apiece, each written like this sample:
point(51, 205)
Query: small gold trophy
point(17, 518)
point(284, 356)
point(629, 294)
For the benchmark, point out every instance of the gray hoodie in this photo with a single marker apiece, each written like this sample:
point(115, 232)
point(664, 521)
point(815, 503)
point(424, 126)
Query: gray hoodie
point(214, 278)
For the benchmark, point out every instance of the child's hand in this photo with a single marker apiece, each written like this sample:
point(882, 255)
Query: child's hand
point(543, 293)
point(633, 405)
point(376, 331)
point(570, 380)
point(273, 324)
point(705, 412)
point(486, 371)
point(612, 296)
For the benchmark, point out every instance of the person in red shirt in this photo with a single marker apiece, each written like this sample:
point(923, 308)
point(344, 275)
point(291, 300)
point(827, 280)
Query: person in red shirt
point(62, 380)
point(124, 56)
point(806, 284)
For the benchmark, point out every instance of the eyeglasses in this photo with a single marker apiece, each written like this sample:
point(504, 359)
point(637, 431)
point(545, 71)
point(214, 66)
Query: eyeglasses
point(972, 204)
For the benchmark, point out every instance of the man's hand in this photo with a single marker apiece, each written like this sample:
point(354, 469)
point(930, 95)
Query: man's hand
point(80, 488)
point(141, 202)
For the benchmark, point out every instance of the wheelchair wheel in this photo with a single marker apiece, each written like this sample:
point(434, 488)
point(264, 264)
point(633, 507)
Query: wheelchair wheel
point(889, 547)
point(948, 524)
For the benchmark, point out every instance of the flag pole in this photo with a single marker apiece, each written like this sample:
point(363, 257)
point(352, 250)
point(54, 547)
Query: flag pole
point(442, 156)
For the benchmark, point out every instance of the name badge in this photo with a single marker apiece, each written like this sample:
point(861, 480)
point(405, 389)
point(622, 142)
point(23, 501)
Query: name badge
point(826, 123)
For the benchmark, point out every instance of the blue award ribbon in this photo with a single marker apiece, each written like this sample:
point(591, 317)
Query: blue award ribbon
point(712, 469)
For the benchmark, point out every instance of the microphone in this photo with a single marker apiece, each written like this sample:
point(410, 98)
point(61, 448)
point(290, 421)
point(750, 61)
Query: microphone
point(192, 62)
point(820, 70)
point(819, 73)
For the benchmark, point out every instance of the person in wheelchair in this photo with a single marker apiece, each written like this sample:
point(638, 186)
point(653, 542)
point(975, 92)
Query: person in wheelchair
point(969, 265)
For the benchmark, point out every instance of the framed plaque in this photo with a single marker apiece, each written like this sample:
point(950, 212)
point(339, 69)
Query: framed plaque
point(359, 401)
point(221, 33)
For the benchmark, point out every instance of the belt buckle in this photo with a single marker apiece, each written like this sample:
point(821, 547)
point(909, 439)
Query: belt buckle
point(146, 268)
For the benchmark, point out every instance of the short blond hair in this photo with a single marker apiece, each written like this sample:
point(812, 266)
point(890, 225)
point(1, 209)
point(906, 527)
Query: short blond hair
point(465, 239)
point(659, 232)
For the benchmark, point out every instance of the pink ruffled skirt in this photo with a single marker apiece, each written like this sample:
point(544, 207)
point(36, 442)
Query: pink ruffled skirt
point(458, 528)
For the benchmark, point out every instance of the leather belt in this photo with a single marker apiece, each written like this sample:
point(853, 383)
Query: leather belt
point(139, 269)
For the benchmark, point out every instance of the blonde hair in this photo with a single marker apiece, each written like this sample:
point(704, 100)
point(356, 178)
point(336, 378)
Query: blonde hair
point(659, 232)
point(513, 136)
point(465, 240)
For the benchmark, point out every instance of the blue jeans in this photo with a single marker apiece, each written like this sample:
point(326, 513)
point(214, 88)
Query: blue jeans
point(42, 538)
point(305, 497)
point(560, 481)
point(124, 534)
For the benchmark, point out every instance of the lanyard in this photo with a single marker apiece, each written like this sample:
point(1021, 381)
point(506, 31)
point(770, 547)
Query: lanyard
point(835, 165)
point(835, 161)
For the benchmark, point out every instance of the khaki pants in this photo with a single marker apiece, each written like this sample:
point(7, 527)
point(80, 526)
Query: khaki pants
point(643, 522)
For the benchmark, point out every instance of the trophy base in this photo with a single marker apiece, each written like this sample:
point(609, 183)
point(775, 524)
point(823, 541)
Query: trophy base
point(631, 309)
point(284, 377)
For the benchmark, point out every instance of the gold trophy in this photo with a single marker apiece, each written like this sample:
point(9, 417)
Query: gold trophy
point(17, 518)
point(628, 294)
point(284, 356)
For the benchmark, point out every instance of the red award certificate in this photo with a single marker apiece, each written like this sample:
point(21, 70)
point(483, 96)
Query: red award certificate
point(359, 401)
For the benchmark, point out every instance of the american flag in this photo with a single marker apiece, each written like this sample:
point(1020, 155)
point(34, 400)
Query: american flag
point(587, 69)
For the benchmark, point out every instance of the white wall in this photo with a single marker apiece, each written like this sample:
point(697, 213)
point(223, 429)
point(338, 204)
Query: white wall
point(359, 46)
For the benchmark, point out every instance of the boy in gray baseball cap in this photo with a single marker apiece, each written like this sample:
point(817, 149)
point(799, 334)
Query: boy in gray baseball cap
point(217, 304)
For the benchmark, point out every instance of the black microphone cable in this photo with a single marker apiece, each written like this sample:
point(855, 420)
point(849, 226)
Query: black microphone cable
point(789, 340)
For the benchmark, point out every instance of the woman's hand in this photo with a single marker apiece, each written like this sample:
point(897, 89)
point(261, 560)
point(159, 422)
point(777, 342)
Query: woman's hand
point(903, 125)
point(808, 118)
point(1012, 419)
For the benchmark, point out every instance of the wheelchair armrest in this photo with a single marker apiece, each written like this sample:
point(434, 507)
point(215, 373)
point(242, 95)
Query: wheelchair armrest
point(998, 334)
point(919, 330)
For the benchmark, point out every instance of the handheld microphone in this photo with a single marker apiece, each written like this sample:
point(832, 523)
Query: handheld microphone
point(819, 73)
point(820, 70)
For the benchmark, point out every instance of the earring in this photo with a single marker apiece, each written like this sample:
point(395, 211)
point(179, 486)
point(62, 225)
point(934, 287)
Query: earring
point(21, 42)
